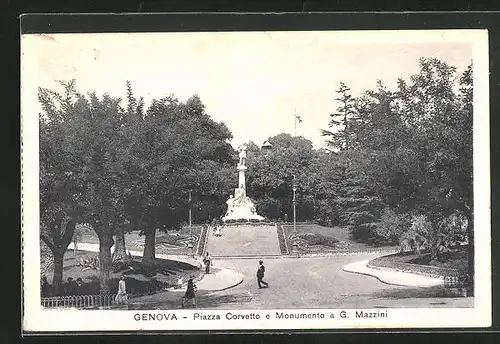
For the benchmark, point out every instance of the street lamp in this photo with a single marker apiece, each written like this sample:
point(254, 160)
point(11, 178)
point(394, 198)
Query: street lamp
point(266, 147)
point(294, 202)
point(190, 245)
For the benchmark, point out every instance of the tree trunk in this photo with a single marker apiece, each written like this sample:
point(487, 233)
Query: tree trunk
point(58, 272)
point(105, 262)
point(148, 257)
point(120, 254)
point(58, 246)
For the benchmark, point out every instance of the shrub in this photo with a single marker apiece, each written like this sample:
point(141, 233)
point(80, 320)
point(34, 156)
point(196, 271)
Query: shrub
point(318, 239)
point(365, 233)
point(391, 226)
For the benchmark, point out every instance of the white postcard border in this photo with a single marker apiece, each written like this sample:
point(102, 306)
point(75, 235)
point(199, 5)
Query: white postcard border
point(36, 319)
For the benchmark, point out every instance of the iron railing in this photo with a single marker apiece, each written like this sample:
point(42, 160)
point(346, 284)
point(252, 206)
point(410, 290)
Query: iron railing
point(79, 301)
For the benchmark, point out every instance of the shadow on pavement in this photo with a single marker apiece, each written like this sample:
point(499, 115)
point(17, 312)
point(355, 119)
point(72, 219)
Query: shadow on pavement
point(174, 301)
point(213, 300)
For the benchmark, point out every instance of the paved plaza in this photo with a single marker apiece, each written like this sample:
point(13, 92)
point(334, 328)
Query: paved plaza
point(318, 282)
point(306, 282)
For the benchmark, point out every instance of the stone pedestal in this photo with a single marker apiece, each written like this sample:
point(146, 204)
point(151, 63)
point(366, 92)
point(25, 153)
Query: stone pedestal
point(241, 207)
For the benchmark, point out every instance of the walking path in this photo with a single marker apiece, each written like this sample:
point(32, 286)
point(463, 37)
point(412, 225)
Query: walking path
point(392, 276)
point(220, 279)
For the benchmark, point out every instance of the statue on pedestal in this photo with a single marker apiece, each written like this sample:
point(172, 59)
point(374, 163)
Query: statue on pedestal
point(230, 206)
point(243, 155)
point(241, 206)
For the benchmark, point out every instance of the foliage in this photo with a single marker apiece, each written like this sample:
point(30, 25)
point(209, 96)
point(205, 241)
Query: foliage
point(391, 225)
point(343, 120)
point(175, 147)
point(61, 188)
point(270, 176)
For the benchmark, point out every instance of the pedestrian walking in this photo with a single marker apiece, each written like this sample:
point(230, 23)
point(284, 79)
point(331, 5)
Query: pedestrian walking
point(121, 295)
point(208, 262)
point(260, 275)
point(190, 293)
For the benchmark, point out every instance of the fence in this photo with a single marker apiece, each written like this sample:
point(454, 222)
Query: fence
point(456, 282)
point(79, 301)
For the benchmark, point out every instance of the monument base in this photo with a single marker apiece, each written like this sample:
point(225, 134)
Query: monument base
point(244, 211)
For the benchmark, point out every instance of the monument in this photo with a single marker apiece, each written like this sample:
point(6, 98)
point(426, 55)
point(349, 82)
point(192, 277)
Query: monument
point(240, 206)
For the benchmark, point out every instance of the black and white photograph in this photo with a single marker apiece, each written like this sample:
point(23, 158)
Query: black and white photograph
point(255, 180)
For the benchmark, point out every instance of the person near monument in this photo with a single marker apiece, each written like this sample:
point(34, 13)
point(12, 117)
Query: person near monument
point(190, 293)
point(260, 275)
point(208, 262)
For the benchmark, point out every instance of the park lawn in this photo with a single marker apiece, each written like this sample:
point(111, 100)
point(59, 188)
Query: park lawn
point(454, 260)
point(323, 239)
point(139, 279)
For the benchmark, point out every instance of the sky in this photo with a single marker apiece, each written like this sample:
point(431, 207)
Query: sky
point(252, 81)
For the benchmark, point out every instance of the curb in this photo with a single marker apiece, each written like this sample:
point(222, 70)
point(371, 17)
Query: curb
point(413, 272)
point(368, 271)
point(176, 258)
point(239, 274)
point(305, 255)
point(376, 277)
point(240, 280)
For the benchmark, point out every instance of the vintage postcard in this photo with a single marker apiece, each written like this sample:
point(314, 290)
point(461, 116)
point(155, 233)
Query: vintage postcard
point(255, 180)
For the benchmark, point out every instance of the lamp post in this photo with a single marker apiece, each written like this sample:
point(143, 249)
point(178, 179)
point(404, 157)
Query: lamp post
point(266, 147)
point(295, 243)
point(190, 246)
point(294, 201)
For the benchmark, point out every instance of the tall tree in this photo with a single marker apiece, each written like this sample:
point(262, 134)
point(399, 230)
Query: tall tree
point(60, 187)
point(177, 147)
point(342, 120)
point(463, 187)
point(270, 176)
point(98, 129)
point(132, 118)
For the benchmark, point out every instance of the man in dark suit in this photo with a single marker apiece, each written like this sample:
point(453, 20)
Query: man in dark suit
point(260, 275)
